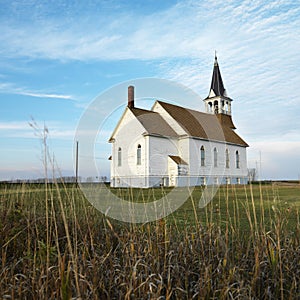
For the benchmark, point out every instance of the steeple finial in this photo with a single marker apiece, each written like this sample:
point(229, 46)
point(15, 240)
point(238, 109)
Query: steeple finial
point(216, 59)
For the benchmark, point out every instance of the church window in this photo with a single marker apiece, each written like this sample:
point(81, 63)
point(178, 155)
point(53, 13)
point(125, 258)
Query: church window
point(237, 159)
point(202, 153)
point(215, 157)
point(227, 158)
point(216, 107)
point(139, 155)
point(119, 157)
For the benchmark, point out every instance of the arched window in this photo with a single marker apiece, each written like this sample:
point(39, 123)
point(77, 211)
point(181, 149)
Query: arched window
point(237, 159)
point(209, 107)
point(215, 157)
point(119, 157)
point(139, 155)
point(227, 158)
point(226, 106)
point(202, 156)
point(216, 107)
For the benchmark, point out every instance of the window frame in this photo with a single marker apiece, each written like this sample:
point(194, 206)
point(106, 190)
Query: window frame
point(215, 157)
point(139, 155)
point(227, 159)
point(119, 157)
point(202, 156)
point(237, 160)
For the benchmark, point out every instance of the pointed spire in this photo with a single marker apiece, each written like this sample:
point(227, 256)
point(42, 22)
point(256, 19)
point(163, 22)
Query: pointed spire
point(216, 81)
point(217, 101)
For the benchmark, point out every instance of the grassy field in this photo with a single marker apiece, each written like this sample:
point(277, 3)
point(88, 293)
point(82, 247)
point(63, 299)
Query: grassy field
point(245, 244)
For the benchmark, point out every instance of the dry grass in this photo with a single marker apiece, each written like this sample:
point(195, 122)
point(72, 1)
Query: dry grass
point(243, 245)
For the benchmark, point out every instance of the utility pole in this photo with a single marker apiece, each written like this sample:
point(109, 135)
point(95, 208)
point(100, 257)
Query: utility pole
point(76, 164)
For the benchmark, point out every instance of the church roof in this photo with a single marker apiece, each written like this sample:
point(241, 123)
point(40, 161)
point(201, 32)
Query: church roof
point(226, 120)
point(202, 125)
point(153, 122)
point(217, 85)
point(178, 160)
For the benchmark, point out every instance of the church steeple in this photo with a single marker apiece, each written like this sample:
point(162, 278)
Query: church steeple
point(217, 101)
point(217, 86)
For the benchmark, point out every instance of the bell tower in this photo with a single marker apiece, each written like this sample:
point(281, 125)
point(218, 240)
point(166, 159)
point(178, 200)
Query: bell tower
point(217, 101)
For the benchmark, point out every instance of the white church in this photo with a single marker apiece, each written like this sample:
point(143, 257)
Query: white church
point(175, 146)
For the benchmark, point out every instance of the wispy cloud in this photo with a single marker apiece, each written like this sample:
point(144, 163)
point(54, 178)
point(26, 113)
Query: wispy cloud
point(43, 95)
point(25, 129)
point(10, 88)
point(13, 125)
point(186, 29)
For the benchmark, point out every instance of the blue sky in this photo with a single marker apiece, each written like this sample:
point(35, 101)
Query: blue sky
point(57, 56)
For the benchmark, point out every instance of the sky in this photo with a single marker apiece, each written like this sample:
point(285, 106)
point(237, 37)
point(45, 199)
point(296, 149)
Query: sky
point(57, 56)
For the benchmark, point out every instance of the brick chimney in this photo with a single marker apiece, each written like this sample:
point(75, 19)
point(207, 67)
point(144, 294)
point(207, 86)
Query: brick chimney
point(131, 96)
